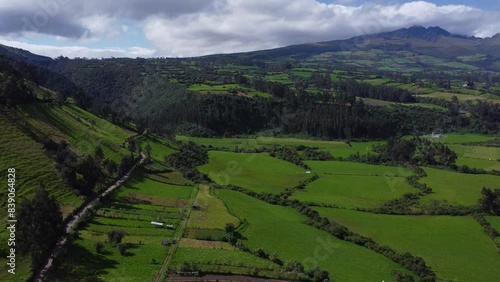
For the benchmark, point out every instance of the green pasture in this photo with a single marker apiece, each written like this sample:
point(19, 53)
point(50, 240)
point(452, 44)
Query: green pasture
point(354, 191)
point(455, 138)
point(212, 213)
point(456, 248)
point(257, 172)
point(356, 169)
point(220, 257)
point(283, 231)
point(456, 188)
point(336, 148)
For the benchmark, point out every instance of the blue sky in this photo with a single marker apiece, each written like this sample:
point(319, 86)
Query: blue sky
point(145, 28)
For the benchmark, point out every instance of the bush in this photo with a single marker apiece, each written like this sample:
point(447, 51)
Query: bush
point(122, 248)
point(99, 247)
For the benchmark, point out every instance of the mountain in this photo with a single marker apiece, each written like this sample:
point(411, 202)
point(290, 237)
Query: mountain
point(432, 41)
point(23, 55)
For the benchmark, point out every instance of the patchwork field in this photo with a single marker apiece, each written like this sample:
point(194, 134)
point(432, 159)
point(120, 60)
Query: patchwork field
point(257, 172)
point(277, 228)
point(456, 188)
point(455, 247)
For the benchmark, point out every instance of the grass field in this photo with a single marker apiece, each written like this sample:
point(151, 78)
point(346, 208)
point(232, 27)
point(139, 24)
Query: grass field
point(159, 147)
point(460, 96)
point(454, 138)
point(456, 188)
point(494, 221)
point(222, 260)
point(336, 148)
point(354, 185)
point(351, 168)
point(257, 172)
point(481, 157)
point(212, 213)
point(145, 190)
point(476, 152)
point(456, 248)
point(282, 230)
point(354, 191)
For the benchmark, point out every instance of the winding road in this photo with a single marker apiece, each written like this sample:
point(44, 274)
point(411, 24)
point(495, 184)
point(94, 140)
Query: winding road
point(38, 275)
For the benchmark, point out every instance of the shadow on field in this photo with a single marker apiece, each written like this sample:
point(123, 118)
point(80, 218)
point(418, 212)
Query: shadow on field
point(136, 178)
point(81, 265)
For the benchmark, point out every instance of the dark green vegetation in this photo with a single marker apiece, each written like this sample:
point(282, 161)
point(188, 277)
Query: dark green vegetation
point(309, 162)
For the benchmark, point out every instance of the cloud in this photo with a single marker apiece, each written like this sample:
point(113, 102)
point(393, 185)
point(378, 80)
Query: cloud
point(193, 27)
point(79, 51)
point(242, 25)
point(75, 19)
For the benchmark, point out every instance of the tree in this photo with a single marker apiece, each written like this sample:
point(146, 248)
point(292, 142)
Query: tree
point(115, 237)
point(229, 227)
point(99, 247)
point(490, 201)
point(40, 225)
point(122, 248)
point(98, 156)
point(147, 149)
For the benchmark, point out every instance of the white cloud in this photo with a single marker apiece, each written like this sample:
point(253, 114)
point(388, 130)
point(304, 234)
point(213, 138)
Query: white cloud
point(193, 27)
point(242, 25)
point(79, 51)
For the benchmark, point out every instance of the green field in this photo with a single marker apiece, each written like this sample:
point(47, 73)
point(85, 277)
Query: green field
point(159, 147)
point(456, 248)
point(494, 221)
point(479, 163)
point(454, 138)
point(354, 191)
point(460, 96)
point(336, 148)
point(351, 168)
point(143, 189)
point(480, 157)
point(223, 261)
point(456, 188)
point(277, 228)
point(476, 152)
point(212, 213)
point(257, 172)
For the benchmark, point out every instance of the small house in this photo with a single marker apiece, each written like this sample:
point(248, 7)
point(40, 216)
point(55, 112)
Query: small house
point(165, 242)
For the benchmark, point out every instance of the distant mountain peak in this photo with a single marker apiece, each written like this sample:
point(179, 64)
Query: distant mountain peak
point(431, 33)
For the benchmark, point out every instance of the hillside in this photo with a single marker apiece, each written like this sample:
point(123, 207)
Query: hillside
point(31, 133)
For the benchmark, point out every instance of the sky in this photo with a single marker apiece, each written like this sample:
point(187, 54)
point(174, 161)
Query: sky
point(186, 28)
